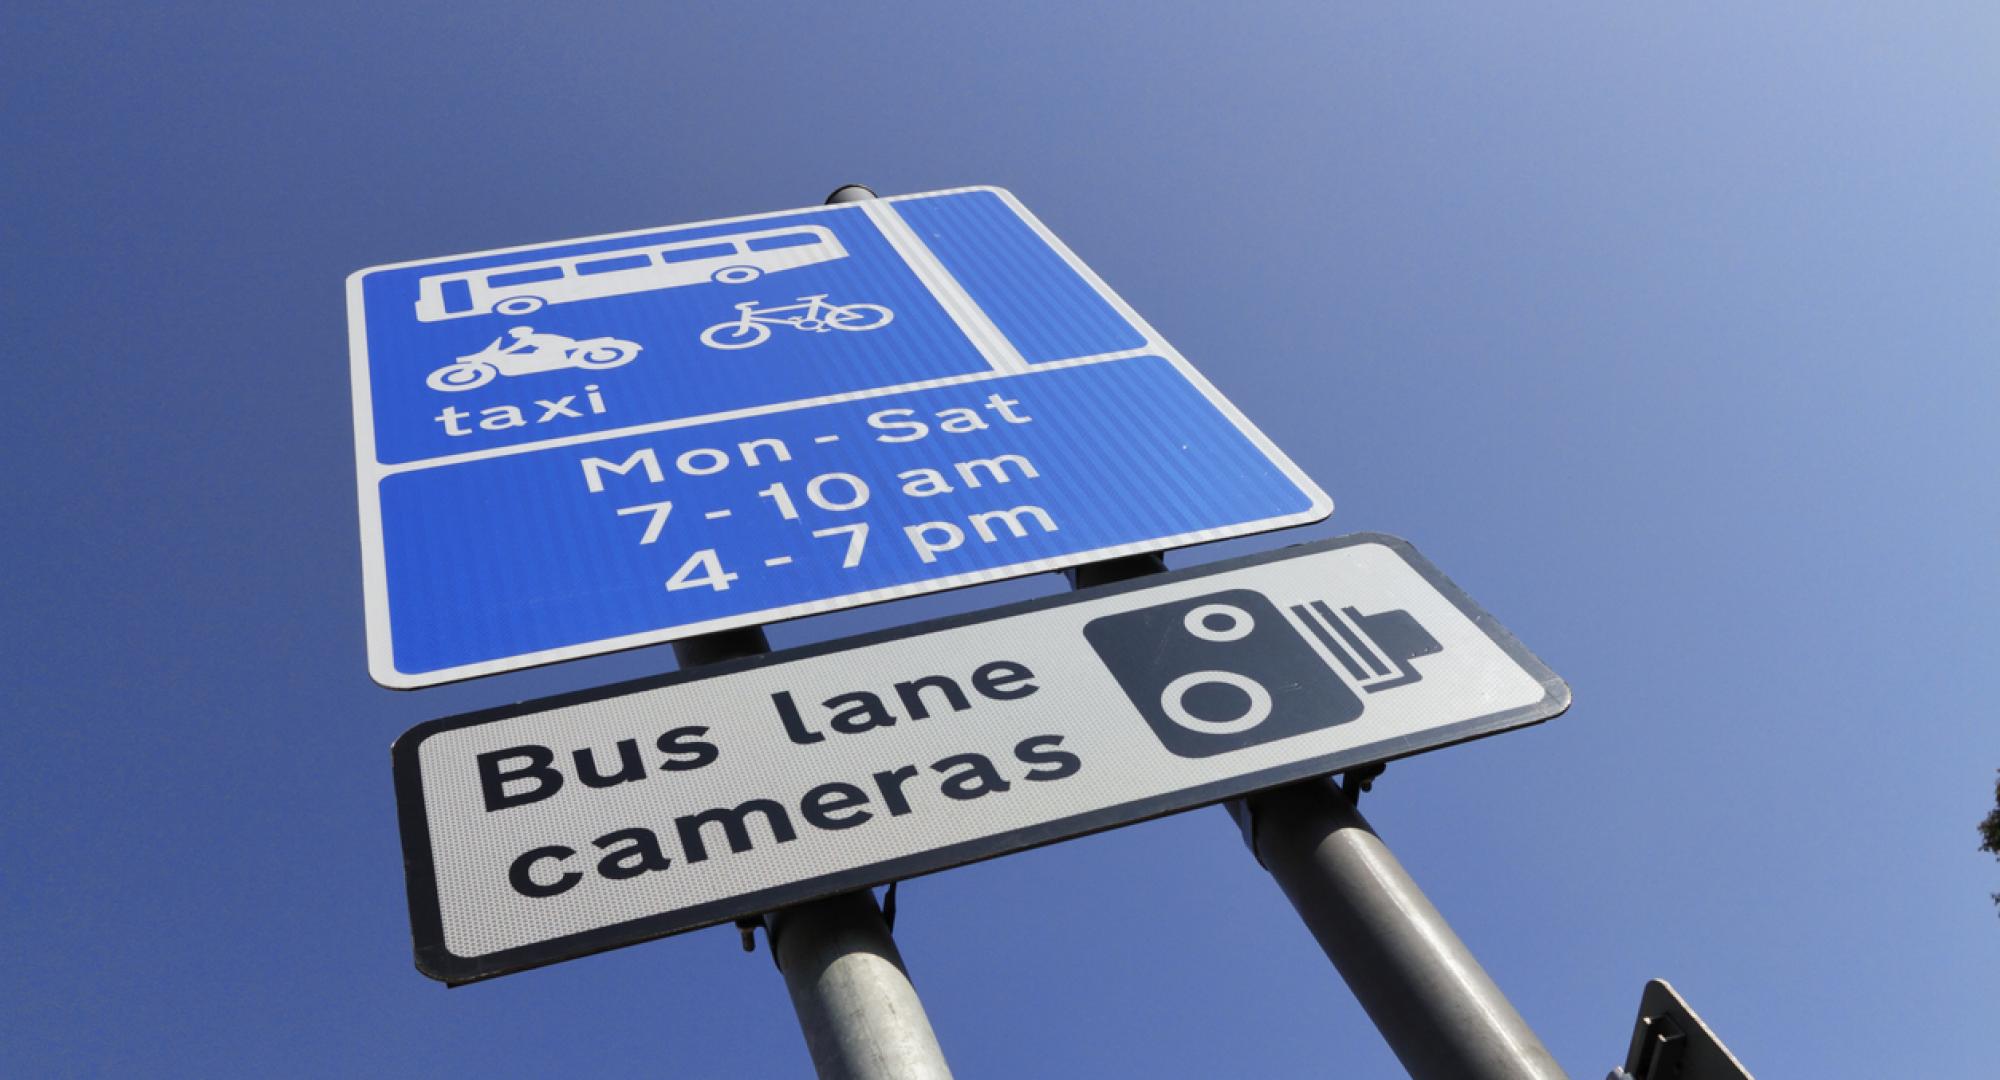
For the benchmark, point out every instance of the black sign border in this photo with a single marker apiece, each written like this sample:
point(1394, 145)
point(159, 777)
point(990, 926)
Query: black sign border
point(419, 873)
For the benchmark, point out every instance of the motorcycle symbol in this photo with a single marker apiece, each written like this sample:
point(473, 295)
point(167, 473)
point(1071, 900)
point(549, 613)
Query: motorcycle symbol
point(527, 354)
point(811, 314)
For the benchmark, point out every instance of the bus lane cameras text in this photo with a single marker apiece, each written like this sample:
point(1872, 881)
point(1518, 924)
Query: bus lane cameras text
point(523, 775)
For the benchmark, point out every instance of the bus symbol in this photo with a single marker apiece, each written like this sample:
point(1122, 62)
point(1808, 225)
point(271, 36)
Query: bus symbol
point(520, 288)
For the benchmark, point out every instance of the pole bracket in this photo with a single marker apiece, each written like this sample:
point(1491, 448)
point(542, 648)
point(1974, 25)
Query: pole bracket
point(1355, 781)
point(1352, 783)
point(748, 926)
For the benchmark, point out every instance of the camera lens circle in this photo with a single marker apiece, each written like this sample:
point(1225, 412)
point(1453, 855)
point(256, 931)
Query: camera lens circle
point(1219, 622)
point(1173, 701)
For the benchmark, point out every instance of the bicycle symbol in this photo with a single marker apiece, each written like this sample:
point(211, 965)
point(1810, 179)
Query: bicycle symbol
point(812, 314)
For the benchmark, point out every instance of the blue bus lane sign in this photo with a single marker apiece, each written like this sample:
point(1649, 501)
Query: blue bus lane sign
point(573, 448)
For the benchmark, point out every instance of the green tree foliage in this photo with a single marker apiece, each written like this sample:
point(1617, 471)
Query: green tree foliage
point(1989, 831)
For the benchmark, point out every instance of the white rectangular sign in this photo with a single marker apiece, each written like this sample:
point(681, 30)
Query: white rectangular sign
point(547, 830)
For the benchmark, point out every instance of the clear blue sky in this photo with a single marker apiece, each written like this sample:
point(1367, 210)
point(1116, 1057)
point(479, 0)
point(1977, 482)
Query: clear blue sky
point(1669, 334)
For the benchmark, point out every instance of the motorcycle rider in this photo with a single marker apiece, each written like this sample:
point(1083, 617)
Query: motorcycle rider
point(528, 342)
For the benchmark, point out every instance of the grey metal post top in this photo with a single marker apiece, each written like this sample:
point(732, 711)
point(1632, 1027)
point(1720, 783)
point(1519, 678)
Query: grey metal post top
point(847, 193)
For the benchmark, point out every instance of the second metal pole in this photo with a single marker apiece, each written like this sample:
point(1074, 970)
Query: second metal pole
point(1440, 1012)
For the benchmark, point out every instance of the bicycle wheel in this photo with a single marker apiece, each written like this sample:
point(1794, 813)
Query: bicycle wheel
point(735, 335)
point(859, 317)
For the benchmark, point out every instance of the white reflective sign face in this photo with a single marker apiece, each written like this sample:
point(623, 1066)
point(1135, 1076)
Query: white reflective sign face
point(549, 830)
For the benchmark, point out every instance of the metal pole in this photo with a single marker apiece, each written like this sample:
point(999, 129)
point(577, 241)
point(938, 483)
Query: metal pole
point(860, 1014)
point(1431, 1000)
point(1437, 1008)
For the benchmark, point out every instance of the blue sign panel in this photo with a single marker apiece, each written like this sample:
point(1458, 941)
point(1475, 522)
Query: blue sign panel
point(578, 447)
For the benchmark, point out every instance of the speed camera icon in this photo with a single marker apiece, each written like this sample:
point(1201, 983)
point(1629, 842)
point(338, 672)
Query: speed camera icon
point(1229, 670)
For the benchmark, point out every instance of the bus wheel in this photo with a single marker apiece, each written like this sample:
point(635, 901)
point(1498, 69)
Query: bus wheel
point(736, 275)
point(519, 305)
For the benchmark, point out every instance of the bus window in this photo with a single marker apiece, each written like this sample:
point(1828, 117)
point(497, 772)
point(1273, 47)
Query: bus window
point(523, 277)
point(606, 266)
point(783, 240)
point(706, 251)
point(456, 294)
